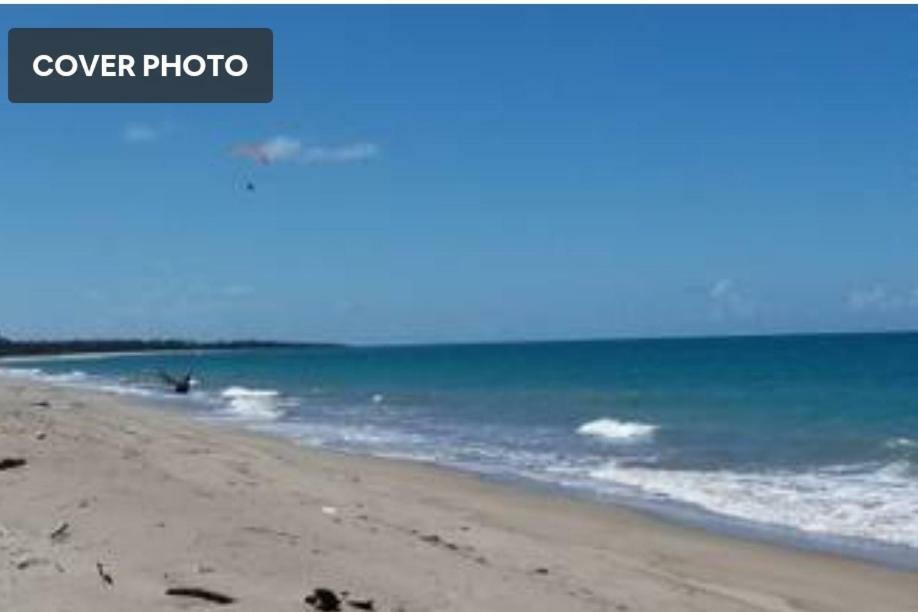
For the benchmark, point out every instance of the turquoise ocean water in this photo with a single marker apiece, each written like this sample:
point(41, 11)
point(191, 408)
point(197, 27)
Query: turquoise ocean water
point(808, 439)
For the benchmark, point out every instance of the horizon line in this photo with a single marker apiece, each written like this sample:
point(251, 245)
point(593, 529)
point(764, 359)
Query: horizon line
point(266, 343)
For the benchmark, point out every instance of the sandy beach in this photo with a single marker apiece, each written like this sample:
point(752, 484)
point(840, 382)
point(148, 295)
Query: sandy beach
point(118, 503)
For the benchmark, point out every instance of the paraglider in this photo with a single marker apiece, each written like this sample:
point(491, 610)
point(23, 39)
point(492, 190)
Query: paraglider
point(244, 182)
point(264, 153)
point(277, 149)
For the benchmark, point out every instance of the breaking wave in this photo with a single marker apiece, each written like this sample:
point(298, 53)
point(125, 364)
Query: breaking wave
point(879, 503)
point(901, 443)
point(617, 431)
point(259, 404)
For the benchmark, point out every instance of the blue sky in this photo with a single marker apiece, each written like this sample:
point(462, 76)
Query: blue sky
point(483, 173)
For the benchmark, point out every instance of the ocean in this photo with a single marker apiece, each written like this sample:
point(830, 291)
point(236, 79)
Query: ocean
point(809, 440)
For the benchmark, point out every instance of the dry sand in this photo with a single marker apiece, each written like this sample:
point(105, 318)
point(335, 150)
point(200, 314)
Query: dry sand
point(161, 501)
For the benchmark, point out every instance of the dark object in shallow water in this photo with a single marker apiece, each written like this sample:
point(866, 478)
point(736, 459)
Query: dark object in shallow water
point(324, 599)
point(105, 576)
point(180, 385)
point(199, 593)
point(8, 463)
point(361, 604)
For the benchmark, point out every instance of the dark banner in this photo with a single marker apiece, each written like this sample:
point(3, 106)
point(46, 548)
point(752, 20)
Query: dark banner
point(141, 65)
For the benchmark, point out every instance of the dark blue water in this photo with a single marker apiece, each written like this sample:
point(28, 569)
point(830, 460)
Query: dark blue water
point(811, 433)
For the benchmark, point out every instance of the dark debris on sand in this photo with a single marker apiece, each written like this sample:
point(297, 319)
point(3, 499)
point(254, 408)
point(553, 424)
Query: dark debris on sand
point(106, 578)
point(201, 593)
point(9, 463)
point(60, 532)
point(326, 600)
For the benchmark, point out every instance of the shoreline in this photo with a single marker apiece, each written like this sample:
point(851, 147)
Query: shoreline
point(680, 514)
point(161, 499)
point(886, 554)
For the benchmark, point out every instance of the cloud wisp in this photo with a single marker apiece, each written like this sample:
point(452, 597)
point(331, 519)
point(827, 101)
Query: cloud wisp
point(729, 302)
point(880, 299)
point(339, 155)
point(285, 149)
point(141, 133)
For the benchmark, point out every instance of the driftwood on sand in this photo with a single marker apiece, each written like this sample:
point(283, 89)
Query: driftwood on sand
point(8, 463)
point(327, 600)
point(106, 578)
point(60, 532)
point(200, 593)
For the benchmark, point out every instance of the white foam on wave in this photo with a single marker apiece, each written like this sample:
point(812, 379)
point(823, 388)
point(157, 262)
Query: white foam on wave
point(258, 404)
point(30, 373)
point(75, 376)
point(377, 440)
point(879, 504)
point(617, 431)
point(901, 443)
point(77, 379)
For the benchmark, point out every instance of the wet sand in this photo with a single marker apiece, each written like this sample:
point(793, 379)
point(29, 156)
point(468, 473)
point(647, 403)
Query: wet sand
point(118, 503)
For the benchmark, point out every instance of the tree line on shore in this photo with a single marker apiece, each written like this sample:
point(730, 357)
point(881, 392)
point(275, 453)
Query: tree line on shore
point(10, 347)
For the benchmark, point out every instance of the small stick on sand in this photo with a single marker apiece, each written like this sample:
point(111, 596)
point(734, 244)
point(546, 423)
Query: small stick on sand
point(199, 593)
point(105, 576)
point(60, 532)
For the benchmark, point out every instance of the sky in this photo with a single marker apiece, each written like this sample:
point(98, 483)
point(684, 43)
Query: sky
point(481, 173)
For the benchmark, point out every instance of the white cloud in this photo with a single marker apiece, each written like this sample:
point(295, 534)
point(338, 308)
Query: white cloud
point(287, 149)
point(139, 132)
point(145, 132)
point(721, 289)
point(277, 149)
point(879, 298)
point(729, 302)
point(338, 155)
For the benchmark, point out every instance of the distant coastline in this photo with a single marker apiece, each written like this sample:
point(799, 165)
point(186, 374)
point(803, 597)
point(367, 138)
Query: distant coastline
point(31, 348)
